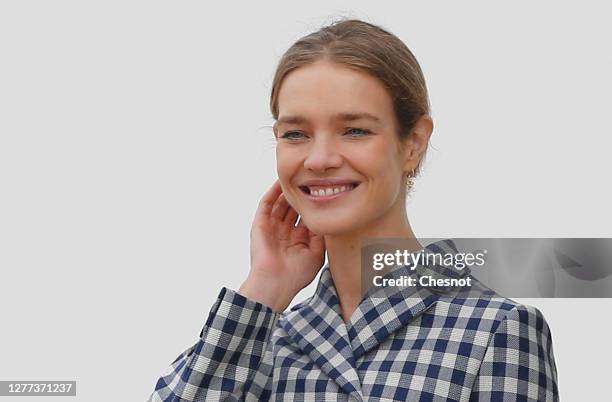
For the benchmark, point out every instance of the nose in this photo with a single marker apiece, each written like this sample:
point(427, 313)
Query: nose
point(323, 154)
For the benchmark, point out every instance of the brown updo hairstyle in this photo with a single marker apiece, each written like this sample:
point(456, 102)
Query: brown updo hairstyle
point(366, 47)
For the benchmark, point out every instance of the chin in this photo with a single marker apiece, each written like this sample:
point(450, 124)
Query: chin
point(329, 227)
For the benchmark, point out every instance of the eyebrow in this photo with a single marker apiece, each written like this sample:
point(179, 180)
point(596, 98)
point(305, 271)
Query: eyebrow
point(345, 117)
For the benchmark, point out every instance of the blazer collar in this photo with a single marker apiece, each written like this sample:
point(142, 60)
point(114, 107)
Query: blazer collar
point(317, 327)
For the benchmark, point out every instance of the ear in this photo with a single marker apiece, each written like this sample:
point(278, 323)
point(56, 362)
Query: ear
point(415, 144)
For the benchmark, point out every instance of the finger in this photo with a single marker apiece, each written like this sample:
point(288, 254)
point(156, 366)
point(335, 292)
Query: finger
point(291, 217)
point(304, 229)
point(269, 198)
point(300, 233)
point(280, 208)
point(286, 226)
point(301, 223)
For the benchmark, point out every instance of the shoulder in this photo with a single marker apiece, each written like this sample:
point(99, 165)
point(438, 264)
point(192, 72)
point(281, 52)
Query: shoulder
point(491, 314)
point(516, 358)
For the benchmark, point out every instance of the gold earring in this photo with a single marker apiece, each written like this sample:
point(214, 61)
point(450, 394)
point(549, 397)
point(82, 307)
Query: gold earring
point(410, 179)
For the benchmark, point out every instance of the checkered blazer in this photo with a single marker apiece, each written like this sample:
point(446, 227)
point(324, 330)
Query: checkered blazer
point(426, 347)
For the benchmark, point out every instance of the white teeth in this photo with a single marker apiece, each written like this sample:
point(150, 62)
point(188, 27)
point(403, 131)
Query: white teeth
point(330, 190)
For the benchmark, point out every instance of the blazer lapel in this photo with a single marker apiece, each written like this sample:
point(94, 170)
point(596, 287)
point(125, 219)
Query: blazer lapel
point(317, 327)
point(385, 310)
point(379, 316)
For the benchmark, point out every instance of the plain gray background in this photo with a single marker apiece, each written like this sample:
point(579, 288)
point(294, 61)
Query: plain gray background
point(135, 143)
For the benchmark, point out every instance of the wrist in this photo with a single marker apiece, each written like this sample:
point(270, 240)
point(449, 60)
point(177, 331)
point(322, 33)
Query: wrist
point(267, 293)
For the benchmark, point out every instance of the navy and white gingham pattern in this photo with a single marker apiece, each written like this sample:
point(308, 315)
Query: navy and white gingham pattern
point(426, 347)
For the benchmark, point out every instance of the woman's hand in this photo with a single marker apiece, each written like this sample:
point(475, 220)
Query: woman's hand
point(284, 258)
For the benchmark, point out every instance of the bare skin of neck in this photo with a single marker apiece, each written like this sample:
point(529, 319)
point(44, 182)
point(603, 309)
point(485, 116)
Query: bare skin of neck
point(344, 255)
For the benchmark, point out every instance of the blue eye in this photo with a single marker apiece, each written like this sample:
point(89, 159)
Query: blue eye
point(357, 132)
point(352, 132)
point(290, 135)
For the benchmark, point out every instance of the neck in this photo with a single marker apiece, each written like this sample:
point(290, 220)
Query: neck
point(344, 256)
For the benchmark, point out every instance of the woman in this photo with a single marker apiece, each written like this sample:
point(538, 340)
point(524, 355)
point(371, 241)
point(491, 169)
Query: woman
point(352, 127)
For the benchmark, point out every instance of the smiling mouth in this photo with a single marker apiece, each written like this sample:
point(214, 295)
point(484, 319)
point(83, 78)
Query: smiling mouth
point(328, 191)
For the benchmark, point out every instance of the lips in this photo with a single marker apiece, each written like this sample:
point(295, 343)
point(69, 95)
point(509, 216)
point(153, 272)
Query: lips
point(326, 191)
point(323, 190)
point(330, 181)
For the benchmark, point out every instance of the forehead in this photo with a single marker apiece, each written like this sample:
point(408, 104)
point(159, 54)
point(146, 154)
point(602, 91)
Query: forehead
point(325, 90)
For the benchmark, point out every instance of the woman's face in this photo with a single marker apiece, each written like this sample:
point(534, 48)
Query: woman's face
point(338, 156)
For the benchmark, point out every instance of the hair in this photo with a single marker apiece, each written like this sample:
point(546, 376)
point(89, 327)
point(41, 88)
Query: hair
point(369, 48)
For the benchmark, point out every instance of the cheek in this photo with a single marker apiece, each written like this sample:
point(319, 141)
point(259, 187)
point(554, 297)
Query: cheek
point(378, 161)
point(384, 169)
point(284, 165)
point(287, 166)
